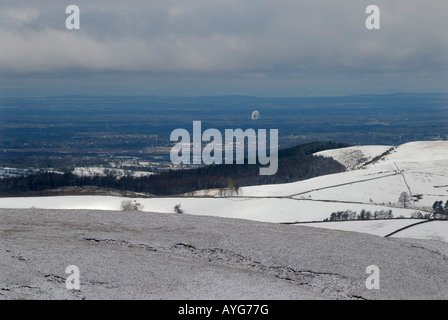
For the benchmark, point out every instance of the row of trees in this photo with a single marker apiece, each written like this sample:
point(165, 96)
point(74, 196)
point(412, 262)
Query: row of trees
point(439, 212)
point(349, 215)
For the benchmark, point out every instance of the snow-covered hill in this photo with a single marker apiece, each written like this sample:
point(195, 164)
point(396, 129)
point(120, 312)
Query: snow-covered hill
point(159, 254)
point(354, 157)
point(372, 156)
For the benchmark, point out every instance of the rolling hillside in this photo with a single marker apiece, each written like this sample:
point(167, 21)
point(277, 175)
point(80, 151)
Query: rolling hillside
point(418, 168)
point(274, 247)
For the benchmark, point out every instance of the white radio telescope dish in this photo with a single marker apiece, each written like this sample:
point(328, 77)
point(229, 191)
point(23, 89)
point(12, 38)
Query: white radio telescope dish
point(255, 115)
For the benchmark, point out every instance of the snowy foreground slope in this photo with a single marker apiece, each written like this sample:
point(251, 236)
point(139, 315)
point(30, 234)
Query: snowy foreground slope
point(141, 255)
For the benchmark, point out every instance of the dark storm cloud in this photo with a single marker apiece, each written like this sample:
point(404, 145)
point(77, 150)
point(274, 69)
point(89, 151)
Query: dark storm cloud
point(257, 40)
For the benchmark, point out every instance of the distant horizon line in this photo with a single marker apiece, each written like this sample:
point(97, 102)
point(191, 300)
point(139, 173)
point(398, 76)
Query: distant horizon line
point(225, 95)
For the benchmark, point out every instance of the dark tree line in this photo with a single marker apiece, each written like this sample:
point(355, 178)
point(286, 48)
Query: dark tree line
point(350, 215)
point(439, 212)
point(295, 163)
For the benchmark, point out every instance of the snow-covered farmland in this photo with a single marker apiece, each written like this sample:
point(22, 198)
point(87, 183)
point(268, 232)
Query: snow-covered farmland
point(380, 228)
point(433, 230)
point(260, 209)
point(159, 254)
point(418, 168)
point(103, 171)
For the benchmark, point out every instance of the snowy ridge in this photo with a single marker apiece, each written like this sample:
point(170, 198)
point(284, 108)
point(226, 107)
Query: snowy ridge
point(418, 151)
point(354, 157)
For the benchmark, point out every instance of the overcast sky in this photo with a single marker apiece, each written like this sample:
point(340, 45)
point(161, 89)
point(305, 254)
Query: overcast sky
point(220, 47)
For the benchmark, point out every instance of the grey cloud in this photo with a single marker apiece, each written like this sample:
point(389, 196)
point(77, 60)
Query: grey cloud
point(296, 39)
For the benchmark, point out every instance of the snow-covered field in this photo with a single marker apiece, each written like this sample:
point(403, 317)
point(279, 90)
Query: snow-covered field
point(433, 230)
point(102, 171)
point(257, 208)
point(14, 172)
point(380, 228)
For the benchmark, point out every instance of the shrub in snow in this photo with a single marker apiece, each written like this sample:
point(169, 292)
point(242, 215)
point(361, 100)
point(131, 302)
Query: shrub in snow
point(417, 215)
point(128, 205)
point(178, 209)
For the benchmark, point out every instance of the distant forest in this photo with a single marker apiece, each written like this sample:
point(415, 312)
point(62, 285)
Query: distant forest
point(295, 163)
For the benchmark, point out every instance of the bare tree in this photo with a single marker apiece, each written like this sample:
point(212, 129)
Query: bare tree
point(404, 199)
point(233, 186)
